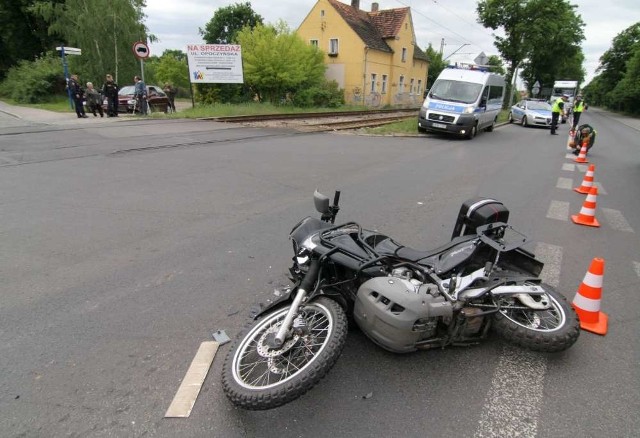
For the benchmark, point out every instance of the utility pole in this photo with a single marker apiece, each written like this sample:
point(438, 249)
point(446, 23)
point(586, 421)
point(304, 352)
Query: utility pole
point(441, 46)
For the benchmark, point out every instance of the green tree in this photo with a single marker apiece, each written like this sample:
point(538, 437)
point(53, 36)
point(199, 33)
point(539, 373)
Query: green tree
point(496, 64)
point(626, 94)
point(24, 33)
point(228, 21)
point(278, 63)
point(172, 67)
point(105, 31)
point(436, 65)
point(536, 32)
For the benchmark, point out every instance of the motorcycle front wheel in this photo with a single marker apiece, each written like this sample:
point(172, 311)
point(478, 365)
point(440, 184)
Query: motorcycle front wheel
point(553, 329)
point(256, 376)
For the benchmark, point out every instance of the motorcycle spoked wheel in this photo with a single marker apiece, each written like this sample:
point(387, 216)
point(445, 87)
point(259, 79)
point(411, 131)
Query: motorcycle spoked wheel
point(551, 330)
point(257, 377)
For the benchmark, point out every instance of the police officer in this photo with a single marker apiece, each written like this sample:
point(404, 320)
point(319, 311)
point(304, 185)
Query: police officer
point(110, 91)
point(556, 109)
point(77, 93)
point(578, 107)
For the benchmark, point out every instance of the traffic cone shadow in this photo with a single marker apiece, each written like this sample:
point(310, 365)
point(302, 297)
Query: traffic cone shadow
point(587, 182)
point(587, 215)
point(588, 297)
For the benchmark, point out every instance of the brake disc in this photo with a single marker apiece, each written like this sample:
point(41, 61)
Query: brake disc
point(265, 351)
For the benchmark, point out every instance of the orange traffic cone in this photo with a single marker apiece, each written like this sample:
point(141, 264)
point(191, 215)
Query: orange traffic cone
point(582, 156)
point(587, 215)
point(587, 182)
point(587, 300)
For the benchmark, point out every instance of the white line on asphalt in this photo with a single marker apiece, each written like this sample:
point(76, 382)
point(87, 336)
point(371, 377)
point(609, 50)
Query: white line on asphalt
point(583, 168)
point(617, 220)
point(558, 210)
point(601, 190)
point(551, 256)
point(636, 267)
point(513, 404)
point(565, 183)
point(569, 167)
point(189, 389)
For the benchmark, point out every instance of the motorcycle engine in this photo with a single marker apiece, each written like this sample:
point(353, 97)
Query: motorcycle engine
point(398, 310)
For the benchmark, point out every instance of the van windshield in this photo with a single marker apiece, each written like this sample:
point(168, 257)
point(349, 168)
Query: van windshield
point(455, 91)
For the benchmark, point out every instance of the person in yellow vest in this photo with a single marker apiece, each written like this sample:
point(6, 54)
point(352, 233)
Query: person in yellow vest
point(578, 107)
point(556, 109)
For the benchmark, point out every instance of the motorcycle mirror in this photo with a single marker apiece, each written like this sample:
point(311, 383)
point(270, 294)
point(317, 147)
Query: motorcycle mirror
point(321, 202)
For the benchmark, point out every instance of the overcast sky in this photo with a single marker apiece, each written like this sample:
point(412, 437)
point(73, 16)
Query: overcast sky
point(176, 23)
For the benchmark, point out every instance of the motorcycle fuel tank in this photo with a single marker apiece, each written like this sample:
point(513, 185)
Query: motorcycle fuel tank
point(396, 313)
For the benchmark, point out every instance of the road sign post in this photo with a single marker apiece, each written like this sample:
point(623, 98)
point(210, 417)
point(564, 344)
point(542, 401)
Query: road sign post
point(64, 51)
point(141, 51)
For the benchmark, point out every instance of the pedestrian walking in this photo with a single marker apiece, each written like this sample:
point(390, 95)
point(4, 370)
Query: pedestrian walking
point(556, 109)
point(578, 107)
point(94, 100)
point(77, 93)
point(141, 95)
point(110, 91)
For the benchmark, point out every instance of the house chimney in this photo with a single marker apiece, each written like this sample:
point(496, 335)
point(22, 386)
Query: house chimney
point(374, 7)
point(355, 4)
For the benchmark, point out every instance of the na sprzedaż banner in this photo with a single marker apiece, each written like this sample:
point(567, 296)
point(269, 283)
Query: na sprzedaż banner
point(215, 63)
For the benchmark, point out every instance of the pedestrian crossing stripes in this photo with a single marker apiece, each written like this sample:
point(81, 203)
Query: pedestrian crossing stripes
point(616, 220)
point(558, 210)
point(565, 183)
point(636, 267)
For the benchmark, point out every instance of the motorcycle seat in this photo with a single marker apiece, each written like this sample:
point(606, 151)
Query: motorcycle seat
point(416, 255)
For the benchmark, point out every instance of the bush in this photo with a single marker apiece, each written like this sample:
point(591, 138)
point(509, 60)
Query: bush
point(34, 81)
point(325, 95)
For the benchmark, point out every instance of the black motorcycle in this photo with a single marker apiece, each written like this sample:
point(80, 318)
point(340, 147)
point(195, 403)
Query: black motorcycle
point(402, 298)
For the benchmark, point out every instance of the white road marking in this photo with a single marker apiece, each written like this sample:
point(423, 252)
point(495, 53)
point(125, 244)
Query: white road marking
point(601, 190)
point(568, 166)
point(636, 267)
point(189, 389)
point(551, 256)
point(583, 167)
point(565, 183)
point(558, 210)
point(513, 404)
point(617, 220)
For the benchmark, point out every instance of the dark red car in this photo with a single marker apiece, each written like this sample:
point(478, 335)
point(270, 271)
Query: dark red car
point(156, 99)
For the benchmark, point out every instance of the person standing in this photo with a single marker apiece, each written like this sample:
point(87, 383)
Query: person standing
point(578, 107)
point(94, 100)
point(171, 94)
point(556, 109)
point(77, 93)
point(110, 91)
point(141, 94)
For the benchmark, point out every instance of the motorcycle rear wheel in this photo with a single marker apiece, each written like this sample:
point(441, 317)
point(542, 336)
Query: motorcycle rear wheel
point(551, 330)
point(257, 377)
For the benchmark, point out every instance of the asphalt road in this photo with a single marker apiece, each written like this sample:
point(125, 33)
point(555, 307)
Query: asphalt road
point(125, 244)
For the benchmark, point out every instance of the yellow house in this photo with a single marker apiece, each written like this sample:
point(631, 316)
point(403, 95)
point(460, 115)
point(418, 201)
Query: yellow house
point(372, 55)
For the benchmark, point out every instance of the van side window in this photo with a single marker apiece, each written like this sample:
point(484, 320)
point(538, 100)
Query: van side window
point(495, 94)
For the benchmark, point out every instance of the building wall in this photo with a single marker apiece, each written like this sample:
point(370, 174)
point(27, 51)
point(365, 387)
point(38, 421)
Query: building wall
point(353, 66)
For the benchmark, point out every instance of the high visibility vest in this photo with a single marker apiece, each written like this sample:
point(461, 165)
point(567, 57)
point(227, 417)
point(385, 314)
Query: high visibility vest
point(579, 106)
point(556, 105)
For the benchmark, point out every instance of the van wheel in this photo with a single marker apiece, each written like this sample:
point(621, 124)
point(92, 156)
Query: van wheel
point(524, 120)
point(421, 130)
point(472, 132)
point(490, 127)
point(510, 117)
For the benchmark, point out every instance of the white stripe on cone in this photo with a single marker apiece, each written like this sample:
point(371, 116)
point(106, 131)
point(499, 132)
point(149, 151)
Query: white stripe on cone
point(586, 303)
point(593, 280)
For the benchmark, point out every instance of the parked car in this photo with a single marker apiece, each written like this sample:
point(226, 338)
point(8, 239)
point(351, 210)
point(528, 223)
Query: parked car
point(531, 113)
point(156, 99)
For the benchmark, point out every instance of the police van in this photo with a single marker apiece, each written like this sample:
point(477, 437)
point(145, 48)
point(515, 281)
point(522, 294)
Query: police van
point(461, 101)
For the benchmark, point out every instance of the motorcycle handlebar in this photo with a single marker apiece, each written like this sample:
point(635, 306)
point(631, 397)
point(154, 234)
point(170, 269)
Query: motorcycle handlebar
point(336, 198)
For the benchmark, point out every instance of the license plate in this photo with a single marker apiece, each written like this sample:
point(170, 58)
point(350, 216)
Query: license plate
point(440, 125)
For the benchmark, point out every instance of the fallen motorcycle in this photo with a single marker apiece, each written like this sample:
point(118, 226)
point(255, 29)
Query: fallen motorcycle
point(402, 298)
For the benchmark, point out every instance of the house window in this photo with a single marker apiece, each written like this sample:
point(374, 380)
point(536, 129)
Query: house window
point(322, 13)
point(314, 43)
point(411, 86)
point(401, 85)
point(374, 77)
point(333, 46)
point(384, 84)
point(404, 54)
point(419, 86)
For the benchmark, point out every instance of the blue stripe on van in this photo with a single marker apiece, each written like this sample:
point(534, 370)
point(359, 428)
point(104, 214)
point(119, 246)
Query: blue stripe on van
point(446, 107)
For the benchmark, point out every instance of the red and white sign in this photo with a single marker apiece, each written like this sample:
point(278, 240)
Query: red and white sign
point(141, 50)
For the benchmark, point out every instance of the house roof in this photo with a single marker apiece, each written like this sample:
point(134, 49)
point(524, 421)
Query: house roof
point(374, 27)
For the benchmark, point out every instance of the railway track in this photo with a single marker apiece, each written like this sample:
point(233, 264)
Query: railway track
point(326, 121)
